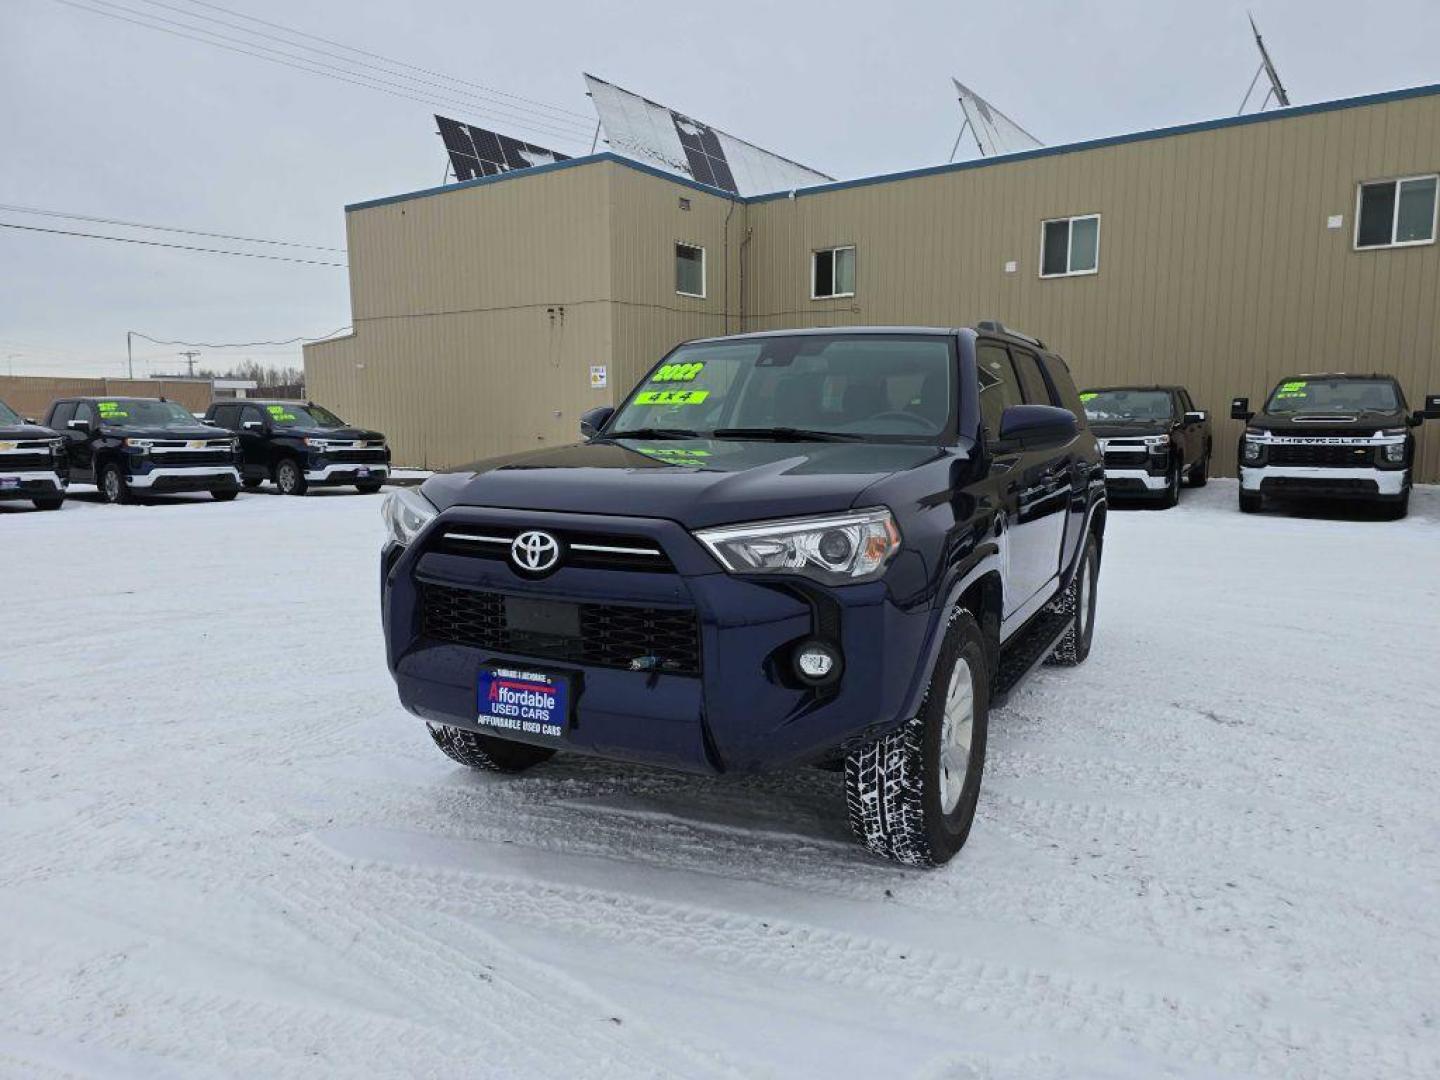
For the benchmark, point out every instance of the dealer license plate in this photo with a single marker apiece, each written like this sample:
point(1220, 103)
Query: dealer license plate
point(362, 472)
point(523, 701)
point(9, 483)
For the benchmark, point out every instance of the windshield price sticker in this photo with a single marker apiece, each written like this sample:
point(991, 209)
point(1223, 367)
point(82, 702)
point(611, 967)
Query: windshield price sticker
point(671, 397)
point(530, 702)
point(279, 413)
point(678, 373)
point(1089, 397)
point(109, 409)
point(1292, 390)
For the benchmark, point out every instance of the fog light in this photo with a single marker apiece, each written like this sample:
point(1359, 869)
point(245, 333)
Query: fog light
point(816, 662)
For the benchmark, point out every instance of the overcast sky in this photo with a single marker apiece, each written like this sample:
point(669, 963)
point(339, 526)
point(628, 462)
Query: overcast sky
point(109, 119)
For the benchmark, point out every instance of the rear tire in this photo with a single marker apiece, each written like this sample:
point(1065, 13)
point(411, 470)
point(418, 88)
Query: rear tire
point(1251, 502)
point(252, 482)
point(49, 504)
point(111, 483)
point(1079, 601)
point(223, 496)
point(486, 753)
point(290, 478)
point(912, 794)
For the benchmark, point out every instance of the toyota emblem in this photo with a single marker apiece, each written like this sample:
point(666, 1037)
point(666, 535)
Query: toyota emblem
point(535, 552)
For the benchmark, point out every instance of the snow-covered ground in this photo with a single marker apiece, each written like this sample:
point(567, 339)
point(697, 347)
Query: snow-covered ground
point(225, 850)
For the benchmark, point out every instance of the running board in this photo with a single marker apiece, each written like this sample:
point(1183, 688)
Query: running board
point(1026, 651)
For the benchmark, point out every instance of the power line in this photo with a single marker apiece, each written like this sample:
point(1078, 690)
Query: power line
point(177, 247)
point(315, 67)
point(163, 228)
point(489, 91)
point(238, 344)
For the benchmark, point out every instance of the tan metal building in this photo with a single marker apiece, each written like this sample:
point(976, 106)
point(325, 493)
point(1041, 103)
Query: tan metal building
point(1222, 255)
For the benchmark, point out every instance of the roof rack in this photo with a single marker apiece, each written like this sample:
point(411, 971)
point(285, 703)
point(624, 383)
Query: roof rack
point(995, 326)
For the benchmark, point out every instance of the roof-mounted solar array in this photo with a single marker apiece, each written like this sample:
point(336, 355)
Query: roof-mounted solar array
point(995, 133)
point(658, 135)
point(476, 151)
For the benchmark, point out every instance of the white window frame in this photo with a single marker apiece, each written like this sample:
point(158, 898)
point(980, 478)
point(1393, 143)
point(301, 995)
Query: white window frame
point(814, 255)
point(1395, 213)
point(1069, 233)
point(704, 269)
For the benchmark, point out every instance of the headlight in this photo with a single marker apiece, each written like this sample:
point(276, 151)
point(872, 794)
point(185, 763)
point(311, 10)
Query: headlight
point(234, 444)
point(317, 444)
point(836, 550)
point(143, 445)
point(1157, 444)
point(58, 447)
point(1394, 452)
point(1252, 450)
point(406, 512)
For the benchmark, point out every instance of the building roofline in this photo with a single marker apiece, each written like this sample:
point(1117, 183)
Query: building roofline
point(1195, 127)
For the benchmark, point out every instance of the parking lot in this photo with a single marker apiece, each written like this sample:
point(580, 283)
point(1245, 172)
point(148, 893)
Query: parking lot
point(1213, 850)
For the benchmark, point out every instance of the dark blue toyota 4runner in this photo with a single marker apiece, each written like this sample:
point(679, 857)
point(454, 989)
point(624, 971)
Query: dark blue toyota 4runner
point(834, 547)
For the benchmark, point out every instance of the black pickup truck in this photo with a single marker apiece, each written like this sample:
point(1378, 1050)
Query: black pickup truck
point(131, 448)
point(32, 462)
point(1333, 436)
point(1153, 438)
point(302, 445)
point(835, 547)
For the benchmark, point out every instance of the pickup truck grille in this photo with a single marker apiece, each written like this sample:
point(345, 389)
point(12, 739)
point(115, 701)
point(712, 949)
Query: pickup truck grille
point(610, 635)
point(15, 462)
point(1126, 458)
point(193, 458)
point(1334, 457)
point(582, 550)
point(368, 456)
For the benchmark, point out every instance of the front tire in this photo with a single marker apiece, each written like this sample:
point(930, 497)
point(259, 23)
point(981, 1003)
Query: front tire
point(486, 753)
point(111, 482)
point(223, 496)
point(1171, 497)
point(49, 504)
point(912, 794)
point(290, 478)
point(1078, 602)
point(1251, 502)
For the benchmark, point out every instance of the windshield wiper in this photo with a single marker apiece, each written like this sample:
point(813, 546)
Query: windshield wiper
point(653, 433)
point(786, 434)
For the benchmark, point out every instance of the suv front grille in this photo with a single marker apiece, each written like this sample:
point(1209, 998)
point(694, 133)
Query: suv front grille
point(1335, 457)
point(584, 550)
point(14, 462)
point(183, 459)
point(610, 635)
point(373, 456)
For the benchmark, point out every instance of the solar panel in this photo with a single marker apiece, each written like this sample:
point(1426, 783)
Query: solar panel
point(476, 151)
point(995, 133)
point(659, 135)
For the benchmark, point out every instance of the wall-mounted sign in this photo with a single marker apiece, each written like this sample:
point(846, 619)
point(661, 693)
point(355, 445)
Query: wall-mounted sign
point(599, 377)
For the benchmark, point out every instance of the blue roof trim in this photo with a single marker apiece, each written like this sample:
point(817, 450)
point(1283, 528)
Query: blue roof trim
point(929, 170)
point(554, 166)
point(1114, 140)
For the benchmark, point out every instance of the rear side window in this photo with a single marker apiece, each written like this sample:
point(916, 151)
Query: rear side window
point(251, 415)
point(61, 415)
point(1036, 392)
point(83, 411)
point(999, 388)
point(225, 416)
point(1064, 385)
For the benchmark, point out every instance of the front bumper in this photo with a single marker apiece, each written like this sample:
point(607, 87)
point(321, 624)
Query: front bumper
point(744, 712)
point(346, 473)
point(28, 485)
point(1300, 481)
point(1134, 482)
point(195, 478)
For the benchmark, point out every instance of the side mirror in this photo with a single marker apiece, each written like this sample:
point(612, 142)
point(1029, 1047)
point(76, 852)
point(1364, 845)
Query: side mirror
point(592, 420)
point(1240, 409)
point(1037, 425)
point(79, 425)
point(29, 420)
point(1196, 416)
point(253, 425)
point(1431, 410)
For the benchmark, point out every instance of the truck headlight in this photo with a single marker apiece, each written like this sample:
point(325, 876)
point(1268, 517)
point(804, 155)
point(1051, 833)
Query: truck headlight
point(317, 446)
point(141, 445)
point(834, 550)
point(406, 512)
point(1157, 444)
point(1393, 452)
point(1252, 450)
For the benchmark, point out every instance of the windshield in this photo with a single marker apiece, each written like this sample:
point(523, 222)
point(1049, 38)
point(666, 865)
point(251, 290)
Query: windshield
point(302, 416)
point(1334, 395)
point(7, 415)
point(153, 414)
point(1112, 405)
point(881, 387)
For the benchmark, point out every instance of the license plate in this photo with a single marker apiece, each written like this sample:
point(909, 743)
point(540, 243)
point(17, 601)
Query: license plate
point(362, 471)
point(523, 701)
point(9, 483)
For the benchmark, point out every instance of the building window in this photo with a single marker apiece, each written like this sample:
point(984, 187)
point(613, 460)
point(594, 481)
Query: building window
point(832, 273)
point(1070, 246)
point(1396, 213)
point(690, 270)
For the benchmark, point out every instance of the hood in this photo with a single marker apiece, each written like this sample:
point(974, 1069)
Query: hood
point(351, 433)
point(1328, 423)
point(19, 432)
point(189, 431)
point(697, 482)
point(1129, 429)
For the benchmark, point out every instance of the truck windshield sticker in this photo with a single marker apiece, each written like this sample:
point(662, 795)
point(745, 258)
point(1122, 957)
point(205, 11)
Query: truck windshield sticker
point(1091, 396)
point(1295, 389)
point(279, 413)
point(671, 397)
point(678, 373)
point(673, 452)
point(109, 409)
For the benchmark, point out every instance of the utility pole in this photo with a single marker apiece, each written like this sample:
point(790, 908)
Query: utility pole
point(190, 355)
point(129, 354)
